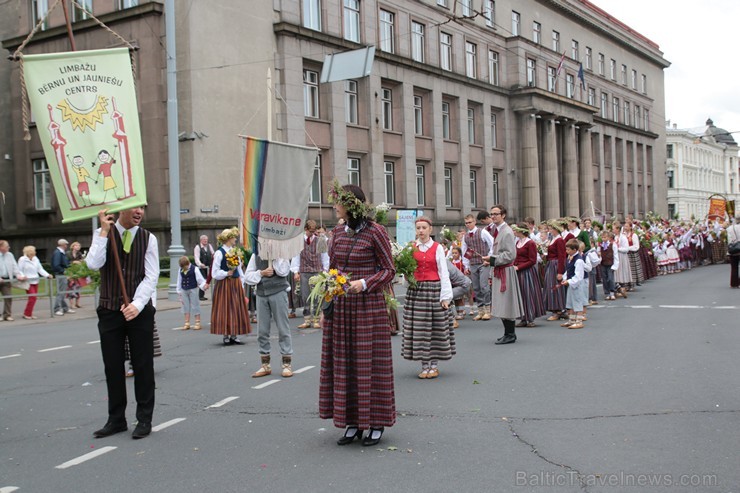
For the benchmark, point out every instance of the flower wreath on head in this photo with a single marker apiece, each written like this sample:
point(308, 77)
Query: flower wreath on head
point(227, 234)
point(355, 207)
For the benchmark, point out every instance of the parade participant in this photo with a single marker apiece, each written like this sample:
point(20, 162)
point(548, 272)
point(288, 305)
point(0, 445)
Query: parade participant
point(566, 233)
point(534, 233)
point(580, 235)
point(73, 285)
point(478, 243)
point(356, 388)
point(733, 238)
point(304, 266)
point(505, 287)
point(30, 267)
point(591, 260)
point(609, 255)
point(456, 260)
point(460, 287)
point(672, 255)
point(189, 280)
point(9, 273)
point(623, 275)
point(576, 299)
point(554, 269)
point(633, 242)
point(203, 255)
point(484, 218)
point(588, 227)
point(427, 321)
point(529, 277)
point(139, 259)
point(271, 286)
point(59, 263)
point(229, 316)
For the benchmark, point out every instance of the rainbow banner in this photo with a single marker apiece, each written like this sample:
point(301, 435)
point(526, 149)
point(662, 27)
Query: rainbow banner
point(277, 183)
point(84, 104)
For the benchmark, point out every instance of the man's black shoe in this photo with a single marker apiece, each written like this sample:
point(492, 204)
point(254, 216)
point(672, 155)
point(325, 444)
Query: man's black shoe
point(110, 429)
point(141, 430)
point(236, 340)
point(506, 339)
point(204, 299)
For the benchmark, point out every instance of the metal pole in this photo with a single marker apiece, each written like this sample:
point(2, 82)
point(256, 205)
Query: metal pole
point(176, 249)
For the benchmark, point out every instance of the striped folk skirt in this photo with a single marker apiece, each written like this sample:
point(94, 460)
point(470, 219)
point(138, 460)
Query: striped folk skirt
point(532, 302)
point(553, 295)
point(638, 275)
point(427, 327)
point(649, 265)
point(229, 314)
point(157, 345)
point(623, 275)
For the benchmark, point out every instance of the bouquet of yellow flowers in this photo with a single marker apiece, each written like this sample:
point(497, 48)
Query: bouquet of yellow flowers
point(233, 258)
point(326, 287)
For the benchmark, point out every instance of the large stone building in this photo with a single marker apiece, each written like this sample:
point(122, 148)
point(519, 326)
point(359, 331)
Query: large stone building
point(469, 103)
point(701, 162)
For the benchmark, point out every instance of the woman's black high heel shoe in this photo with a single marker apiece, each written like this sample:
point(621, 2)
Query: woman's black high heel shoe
point(373, 437)
point(349, 435)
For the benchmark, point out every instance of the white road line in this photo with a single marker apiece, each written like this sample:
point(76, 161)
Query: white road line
point(680, 306)
point(639, 306)
point(8, 489)
point(6, 357)
point(223, 401)
point(167, 424)
point(94, 342)
point(724, 307)
point(178, 328)
point(53, 349)
point(262, 386)
point(86, 457)
point(305, 368)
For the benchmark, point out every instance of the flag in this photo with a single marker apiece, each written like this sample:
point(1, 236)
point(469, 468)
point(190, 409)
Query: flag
point(581, 77)
point(88, 121)
point(277, 182)
point(560, 66)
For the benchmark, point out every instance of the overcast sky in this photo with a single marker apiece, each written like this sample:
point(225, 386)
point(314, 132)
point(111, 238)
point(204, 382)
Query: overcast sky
point(700, 39)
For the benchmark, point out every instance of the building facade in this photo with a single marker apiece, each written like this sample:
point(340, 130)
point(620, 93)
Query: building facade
point(469, 103)
point(701, 161)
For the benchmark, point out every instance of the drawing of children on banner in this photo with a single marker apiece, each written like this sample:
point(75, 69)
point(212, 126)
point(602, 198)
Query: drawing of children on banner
point(83, 188)
point(105, 165)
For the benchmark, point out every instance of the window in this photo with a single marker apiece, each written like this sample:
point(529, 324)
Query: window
point(613, 69)
point(531, 72)
point(448, 187)
point(669, 175)
point(420, 198)
point(669, 151)
point(442, 3)
point(634, 79)
point(79, 14)
point(352, 20)
point(467, 7)
point(315, 195)
point(672, 211)
point(551, 79)
point(417, 42)
point(615, 109)
point(471, 125)
point(473, 190)
point(471, 59)
point(353, 171)
point(556, 41)
point(604, 105)
point(624, 74)
point(601, 64)
point(627, 114)
point(646, 115)
point(494, 130)
point(495, 188)
point(311, 93)
point(637, 117)
point(592, 96)
point(40, 9)
point(589, 59)
point(570, 86)
point(445, 51)
point(126, 4)
point(386, 31)
point(350, 101)
point(574, 51)
point(445, 120)
point(489, 12)
point(536, 32)
point(515, 23)
point(390, 186)
point(312, 14)
point(643, 83)
point(418, 116)
point(387, 108)
point(493, 67)
point(41, 185)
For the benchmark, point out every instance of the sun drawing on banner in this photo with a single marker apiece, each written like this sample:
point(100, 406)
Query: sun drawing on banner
point(84, 118)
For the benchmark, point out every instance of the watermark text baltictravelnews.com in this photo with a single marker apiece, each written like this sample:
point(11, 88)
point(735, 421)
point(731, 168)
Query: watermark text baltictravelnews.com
point(573, 478)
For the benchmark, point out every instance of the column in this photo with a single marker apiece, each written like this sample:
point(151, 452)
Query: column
point(570, 171)
point(602, 169)
point(613, 191)
point(550, 178)
point(636, 198)
point(625, 189)
point(530, 169)
point(585, 171)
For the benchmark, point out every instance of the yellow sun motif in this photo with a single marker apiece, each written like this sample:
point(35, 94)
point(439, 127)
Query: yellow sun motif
point(83, 118)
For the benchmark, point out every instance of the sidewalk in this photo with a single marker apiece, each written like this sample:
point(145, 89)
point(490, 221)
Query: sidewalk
point(41, 311)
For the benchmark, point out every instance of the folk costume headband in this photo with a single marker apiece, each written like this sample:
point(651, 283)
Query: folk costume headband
point(520, 230)
point(423, 220)
point(355, 207)
point(227, 234)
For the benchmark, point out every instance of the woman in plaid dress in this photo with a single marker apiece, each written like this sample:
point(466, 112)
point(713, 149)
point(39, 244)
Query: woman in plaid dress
point(356, 382)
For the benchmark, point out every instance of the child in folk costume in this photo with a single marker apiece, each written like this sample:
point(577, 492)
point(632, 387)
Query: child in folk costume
point(633, 249)
point(529, 276)
point(623, 276)
point(555, 268)
point(189, 280)
point(592, 260)
point(577, 297)
point(456, 260)
point(478, 243)
point(671, 253)
point(609, 254)
point(427, 322)
point(460, 287)
point(660, 248)
point(229, 314)
point(304, 266)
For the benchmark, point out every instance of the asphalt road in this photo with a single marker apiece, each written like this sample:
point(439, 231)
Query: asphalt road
point(645, 398)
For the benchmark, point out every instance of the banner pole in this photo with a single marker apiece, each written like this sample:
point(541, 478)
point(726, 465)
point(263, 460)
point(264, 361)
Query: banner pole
point(69, 26)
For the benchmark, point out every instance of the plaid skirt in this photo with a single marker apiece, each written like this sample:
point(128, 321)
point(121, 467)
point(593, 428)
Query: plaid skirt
point(427, 327)
point(649, 265)
point(229, 315)
point(636, 267)
point(157, 345)
point(532, 302)
point(553, 294)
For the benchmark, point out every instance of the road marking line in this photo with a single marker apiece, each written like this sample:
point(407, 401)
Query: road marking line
point(305, 368)
point(94, 342)
point(263, 385)
point(86, 457)
point(680, 306)
point(223, 401)
point(638, 306)
point(724, 307)
point(179, 328)
point(8, 489)
point(53, 349)
point(6, 357)
point(167, 424)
